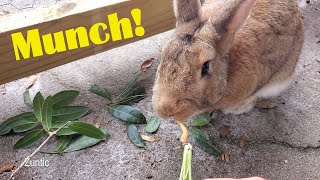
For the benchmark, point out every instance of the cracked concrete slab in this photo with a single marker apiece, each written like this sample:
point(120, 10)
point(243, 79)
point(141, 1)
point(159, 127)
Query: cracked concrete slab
point(8, 8)
point(14, 6)
point(281, 143)
point(4, 2)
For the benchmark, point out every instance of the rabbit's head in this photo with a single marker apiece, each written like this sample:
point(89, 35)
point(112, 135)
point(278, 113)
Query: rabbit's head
point(192, 75)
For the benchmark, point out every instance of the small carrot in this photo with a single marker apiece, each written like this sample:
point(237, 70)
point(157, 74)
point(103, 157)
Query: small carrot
point(184, 135)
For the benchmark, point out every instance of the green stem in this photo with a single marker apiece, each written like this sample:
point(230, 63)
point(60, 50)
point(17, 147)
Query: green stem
point(185, 173)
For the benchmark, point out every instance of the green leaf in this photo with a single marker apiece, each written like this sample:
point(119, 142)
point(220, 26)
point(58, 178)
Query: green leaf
point(152, 125)
point(198, 133)
point(87, 130)
point(83, 142)
point(103, 92)
point(135, 136)
point(27, 99)
point(127, 114)
point(64, 98)
point(201, 120)
point(69, 113)
point(62, 143)
point(133, 96)
point(29, 123)
point(129, 86)
point(65, 132)
point(47, 113)
point(30, 138)
point(37, 106)
point(57, 125)
point(204, 145)
point(7, 125)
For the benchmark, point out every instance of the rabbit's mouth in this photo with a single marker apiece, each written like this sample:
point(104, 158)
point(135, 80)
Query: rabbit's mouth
point(172, 108)
point(188, 113)
point(180, 115)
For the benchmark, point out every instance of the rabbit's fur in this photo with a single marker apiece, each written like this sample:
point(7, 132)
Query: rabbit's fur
point(252, 47)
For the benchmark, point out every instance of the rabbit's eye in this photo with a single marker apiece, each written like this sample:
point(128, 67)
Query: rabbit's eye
point(205, 69)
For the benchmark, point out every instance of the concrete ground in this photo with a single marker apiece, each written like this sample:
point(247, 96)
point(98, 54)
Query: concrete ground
point(281, 143)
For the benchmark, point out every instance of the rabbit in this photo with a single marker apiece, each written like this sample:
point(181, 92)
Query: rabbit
point(226, 55)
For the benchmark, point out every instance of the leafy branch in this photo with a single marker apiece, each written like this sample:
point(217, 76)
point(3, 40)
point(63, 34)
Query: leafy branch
point(53, 116)
point(120, 106)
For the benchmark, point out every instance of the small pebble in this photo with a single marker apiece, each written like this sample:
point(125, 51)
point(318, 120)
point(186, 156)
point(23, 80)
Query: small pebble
point(149, 176)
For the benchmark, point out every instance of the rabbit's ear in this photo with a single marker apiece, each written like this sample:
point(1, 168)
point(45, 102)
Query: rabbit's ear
point(186, 11)
point(224, 23)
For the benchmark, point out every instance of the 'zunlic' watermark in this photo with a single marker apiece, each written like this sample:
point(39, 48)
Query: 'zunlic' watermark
point(37, 163)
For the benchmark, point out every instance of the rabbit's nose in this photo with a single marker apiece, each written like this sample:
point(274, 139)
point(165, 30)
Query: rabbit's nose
point(166, 108)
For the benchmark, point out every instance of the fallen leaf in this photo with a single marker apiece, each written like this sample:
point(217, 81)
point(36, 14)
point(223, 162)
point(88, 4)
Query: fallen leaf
point(3, 89)
point(83, 142)
point(266, 104)
point(247, 114)
point(306, 64)
point(103, 92)
point(65, 131)
point(4, 12)
point(213, 115)
point(64, 98)
point(97, 124)
point(225, 157)
point(198, 133)
point(201, 120)
point(27, 99)
point(158, 160)
point(62, 143)
point(147, 64)
point(148, 138)
point(242, 141)
point(135, 136)
point(221, 157)
point(224, 131)
point(149, 176)
point(9, 124)
point(152, 125)
point(205, 145)
point(127, 114)
point(69, 113)
point(87, 130)
point(29, 138)
point(6, 167)
point(30, 81)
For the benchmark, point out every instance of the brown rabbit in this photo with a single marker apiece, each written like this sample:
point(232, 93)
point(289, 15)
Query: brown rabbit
point(226, 54)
